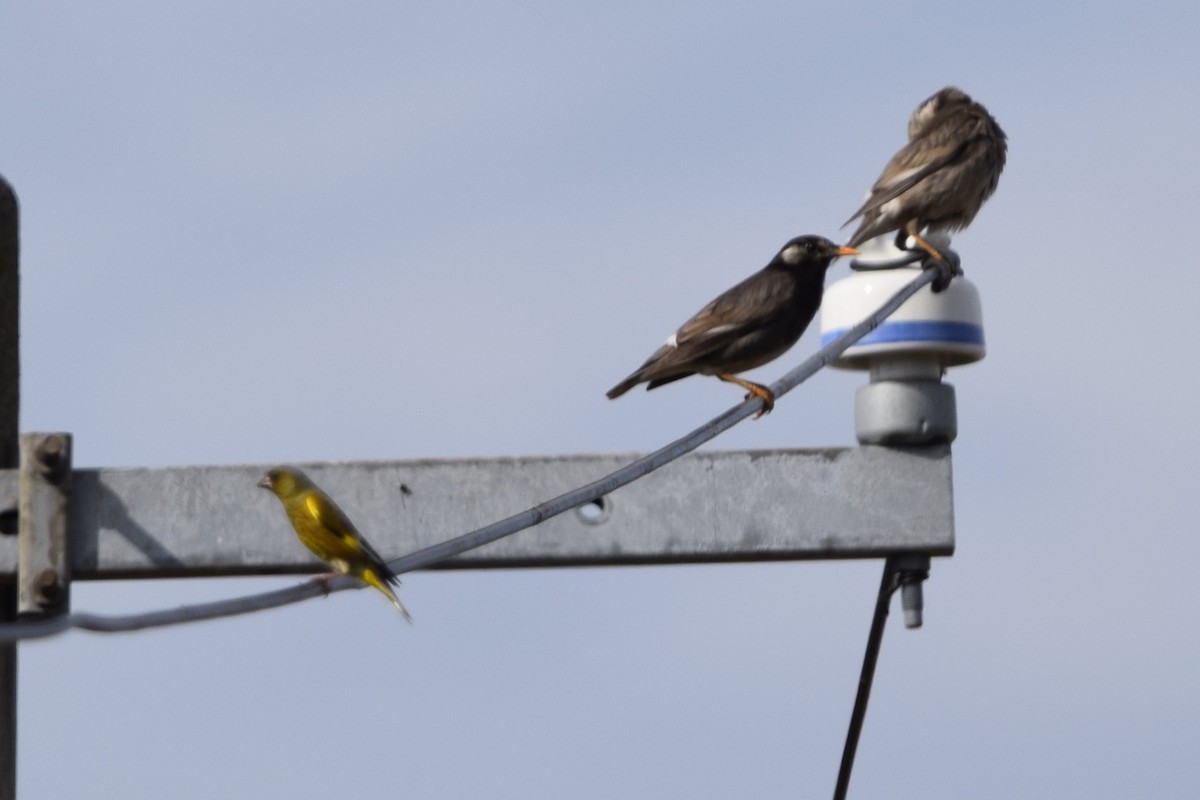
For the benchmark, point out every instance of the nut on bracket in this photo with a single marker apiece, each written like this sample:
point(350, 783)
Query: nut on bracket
point(53, 456)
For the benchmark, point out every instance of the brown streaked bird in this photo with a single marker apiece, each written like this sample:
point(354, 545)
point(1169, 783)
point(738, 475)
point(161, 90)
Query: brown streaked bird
point(749, 325)
point(326, 530)
point(941, 178)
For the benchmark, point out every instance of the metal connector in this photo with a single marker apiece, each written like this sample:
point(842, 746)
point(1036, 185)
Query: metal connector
point(43, 573)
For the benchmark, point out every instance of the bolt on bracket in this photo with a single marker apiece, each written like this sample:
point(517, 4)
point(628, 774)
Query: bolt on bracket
point(912, 569)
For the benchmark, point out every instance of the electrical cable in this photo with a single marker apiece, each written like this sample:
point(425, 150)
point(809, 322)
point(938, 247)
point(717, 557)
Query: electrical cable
point(887, 588)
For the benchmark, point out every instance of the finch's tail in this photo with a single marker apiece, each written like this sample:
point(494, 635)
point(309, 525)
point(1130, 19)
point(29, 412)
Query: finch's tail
point(370, 578)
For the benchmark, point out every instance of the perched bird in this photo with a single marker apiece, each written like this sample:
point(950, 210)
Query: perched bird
point(326, 530)
point(941, 178)
point(747, 326)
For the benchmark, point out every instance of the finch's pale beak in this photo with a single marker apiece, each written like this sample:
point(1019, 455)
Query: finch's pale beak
point(847, 251)
point(265, 482)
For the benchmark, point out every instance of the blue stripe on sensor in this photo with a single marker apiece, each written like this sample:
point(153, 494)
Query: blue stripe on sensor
point(894, 332)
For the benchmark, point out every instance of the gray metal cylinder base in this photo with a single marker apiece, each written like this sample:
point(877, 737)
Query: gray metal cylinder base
point(905, 413)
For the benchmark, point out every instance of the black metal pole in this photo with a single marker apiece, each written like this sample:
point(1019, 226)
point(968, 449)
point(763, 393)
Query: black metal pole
point(874, 640)
point(10, 390)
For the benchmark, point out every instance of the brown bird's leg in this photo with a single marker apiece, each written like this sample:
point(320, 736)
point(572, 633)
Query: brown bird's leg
point(921, 243)
point(755, 389)
point(944, 266)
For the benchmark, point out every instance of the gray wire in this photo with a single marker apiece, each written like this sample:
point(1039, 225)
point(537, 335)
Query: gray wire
point(631, 472)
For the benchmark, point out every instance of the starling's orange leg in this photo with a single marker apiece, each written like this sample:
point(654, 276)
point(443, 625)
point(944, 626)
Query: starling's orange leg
point(755, 389)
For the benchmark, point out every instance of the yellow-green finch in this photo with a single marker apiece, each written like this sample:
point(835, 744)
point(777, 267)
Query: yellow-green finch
point(326, 530)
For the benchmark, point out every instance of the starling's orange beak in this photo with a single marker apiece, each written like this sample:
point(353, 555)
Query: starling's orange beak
point(847, 251)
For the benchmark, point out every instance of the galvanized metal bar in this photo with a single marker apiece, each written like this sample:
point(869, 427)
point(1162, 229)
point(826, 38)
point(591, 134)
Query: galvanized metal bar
point(10, 390)
point(712, 506)
point(44, 570)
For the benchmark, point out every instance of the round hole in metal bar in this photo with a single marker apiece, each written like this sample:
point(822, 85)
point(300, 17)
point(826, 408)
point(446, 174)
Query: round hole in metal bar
point(594, 512)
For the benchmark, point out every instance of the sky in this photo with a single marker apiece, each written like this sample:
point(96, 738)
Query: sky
point(262, 232)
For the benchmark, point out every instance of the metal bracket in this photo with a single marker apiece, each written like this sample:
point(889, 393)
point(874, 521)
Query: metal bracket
point(911, 571)
point(43, 573)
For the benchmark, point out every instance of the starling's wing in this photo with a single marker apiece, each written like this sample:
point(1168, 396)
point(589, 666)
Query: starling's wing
point(718, 326)
point(351, 547)
point(715, 328)
point(736, 312)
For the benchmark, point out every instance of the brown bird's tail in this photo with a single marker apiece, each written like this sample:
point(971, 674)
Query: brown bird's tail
point(869, 228)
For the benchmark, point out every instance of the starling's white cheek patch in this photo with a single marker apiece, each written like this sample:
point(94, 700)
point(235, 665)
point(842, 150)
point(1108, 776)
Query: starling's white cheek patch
point(791, 254)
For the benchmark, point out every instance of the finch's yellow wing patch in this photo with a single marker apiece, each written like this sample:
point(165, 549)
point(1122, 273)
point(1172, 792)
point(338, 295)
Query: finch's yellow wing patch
point(332, 519)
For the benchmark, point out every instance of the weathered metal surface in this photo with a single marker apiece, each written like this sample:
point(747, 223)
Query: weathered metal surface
point(710, 506)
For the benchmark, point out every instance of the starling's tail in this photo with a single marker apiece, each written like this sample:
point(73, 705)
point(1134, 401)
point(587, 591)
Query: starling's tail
point(657, 382)
point(625, 385)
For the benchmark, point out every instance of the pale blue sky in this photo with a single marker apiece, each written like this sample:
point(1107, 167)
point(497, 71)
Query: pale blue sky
point(268, 232)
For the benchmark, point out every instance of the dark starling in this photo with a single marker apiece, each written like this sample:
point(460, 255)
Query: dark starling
point(941, 178)
point(747, 326)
